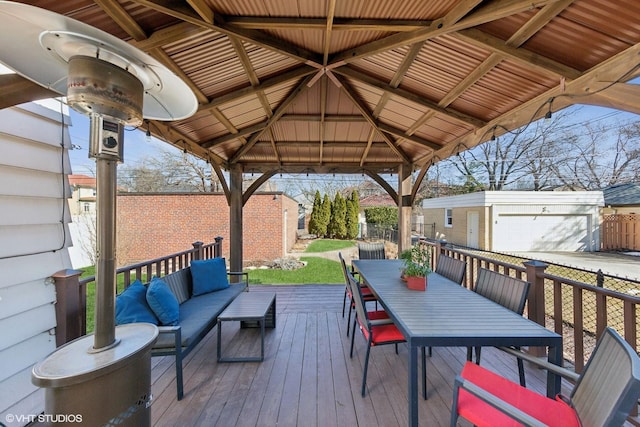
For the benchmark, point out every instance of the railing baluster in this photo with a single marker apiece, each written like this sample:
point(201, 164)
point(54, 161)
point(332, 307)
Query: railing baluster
point(557, 308)
point(578, 329)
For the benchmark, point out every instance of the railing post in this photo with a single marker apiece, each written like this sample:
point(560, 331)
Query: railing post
point(600, 279)
point(68, 315)
point(536, 306)
point(440, 248)
point(217, 252)
point(197, 255)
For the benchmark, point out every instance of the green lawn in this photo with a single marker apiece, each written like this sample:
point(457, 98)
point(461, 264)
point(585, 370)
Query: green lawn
point(326, 245)
point(317, 270)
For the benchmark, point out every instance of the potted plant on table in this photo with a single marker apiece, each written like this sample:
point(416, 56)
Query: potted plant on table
point(417, 265)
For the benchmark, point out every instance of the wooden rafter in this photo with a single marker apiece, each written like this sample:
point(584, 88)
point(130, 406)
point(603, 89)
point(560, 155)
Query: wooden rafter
point(372, 81)
point(441, 26)
point(372, 121)
point(273, 119)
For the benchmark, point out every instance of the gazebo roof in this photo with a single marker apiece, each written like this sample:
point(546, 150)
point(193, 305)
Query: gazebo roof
point(354, 86)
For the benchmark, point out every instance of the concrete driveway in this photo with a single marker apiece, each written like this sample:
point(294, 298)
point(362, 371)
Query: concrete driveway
point(613, 263)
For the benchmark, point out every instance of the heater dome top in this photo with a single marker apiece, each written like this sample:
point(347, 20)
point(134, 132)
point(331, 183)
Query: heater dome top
point(47, 41)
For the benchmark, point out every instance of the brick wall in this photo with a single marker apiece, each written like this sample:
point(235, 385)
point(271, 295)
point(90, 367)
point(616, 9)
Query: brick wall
point(153, 225)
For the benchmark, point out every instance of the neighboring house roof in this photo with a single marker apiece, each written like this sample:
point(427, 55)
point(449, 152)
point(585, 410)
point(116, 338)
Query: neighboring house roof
point(377, 201)
point(622, 195)
point(82, 181)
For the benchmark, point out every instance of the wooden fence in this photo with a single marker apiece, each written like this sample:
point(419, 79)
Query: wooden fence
point(621, 232)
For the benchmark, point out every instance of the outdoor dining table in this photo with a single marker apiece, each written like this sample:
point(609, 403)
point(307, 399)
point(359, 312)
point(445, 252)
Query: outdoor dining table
point(449, 315)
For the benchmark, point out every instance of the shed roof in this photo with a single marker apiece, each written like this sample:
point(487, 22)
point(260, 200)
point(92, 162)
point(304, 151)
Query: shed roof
point(622, 195)
point(354, 86)
point(490, 198)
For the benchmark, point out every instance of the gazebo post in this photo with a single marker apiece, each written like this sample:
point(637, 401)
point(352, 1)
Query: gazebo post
point(404, 207)
point(235, 218)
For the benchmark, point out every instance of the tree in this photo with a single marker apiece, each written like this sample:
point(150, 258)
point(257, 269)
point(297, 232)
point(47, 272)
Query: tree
point(169, 173)
point(316, 223)
point(326, 214)
point(522, 156)
point(353, 207)
point(382, 216)
point(337, 225)
point(601, 156)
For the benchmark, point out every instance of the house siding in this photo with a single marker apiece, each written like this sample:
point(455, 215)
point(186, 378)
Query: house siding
point(494, 207)
point(458, 232)
point(34, 238)
point(152, 225)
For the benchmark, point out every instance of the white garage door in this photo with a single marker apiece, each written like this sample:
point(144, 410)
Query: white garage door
point(541, 233)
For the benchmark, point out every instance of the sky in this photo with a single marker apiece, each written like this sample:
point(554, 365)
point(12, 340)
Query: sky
point(137, 148)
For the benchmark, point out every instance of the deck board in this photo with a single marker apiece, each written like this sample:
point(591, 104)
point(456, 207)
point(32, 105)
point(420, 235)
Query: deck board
point(307, 377)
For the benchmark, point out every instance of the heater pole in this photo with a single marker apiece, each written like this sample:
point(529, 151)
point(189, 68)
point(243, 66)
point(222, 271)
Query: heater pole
point(106, 175)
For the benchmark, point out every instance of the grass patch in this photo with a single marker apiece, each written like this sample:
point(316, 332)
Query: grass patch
point(317, 270)
point(326, 245)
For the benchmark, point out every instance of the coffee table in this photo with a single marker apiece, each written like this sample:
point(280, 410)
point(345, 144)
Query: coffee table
point(252, 310)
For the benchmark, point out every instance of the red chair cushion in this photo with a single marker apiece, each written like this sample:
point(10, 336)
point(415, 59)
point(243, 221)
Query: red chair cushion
point(549, 411)
point(384, 334)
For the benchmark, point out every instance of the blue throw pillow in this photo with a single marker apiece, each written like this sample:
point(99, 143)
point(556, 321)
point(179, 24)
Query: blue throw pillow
point(132, 306)
point(163, 303)
point(209, 275)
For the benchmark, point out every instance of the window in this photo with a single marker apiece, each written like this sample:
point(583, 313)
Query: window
point(448, 217)
point(86, 207)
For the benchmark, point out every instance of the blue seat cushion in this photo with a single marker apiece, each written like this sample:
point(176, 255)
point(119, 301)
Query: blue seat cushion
point(132, 306)
point(209, 275)
point(198, 315)
point(163, 303)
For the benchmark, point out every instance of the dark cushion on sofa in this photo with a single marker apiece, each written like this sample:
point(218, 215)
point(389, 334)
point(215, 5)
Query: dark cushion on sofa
point(196, 315)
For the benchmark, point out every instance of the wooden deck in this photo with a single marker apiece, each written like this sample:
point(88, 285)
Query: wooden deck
point(307, 377)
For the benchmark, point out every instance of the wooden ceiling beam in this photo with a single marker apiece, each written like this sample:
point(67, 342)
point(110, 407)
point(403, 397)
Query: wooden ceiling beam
point(372, 81)
point(122, 18)
point(273, 119)
point(399, 133)
point(16, 90)
point(185, 13)
point(280, 79)
point(617, 69)
point(339, 24)
point(539, 20)
point(348, 90)
point(532, 60)
point(202, 9)
point(327, 118)
point(168, 35)
point(493, 11)
point(231, 136)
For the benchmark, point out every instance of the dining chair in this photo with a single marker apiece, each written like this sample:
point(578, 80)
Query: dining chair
point(348, 293)
point(376, 327)
point(504, 290)
point(451, 268)
point(371, 250)
point(603, 395)
point(507, 291)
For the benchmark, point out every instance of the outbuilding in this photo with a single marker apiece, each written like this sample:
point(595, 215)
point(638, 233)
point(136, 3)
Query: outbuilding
point(513, 221)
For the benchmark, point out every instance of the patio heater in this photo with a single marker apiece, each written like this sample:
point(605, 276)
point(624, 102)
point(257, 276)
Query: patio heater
point(104, 378)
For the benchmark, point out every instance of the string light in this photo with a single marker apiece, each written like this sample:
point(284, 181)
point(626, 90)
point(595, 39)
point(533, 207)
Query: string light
point(148, 133)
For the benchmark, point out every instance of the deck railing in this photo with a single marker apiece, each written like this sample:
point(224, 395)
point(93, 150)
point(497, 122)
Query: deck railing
point(575, 303)
point(71, 292)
